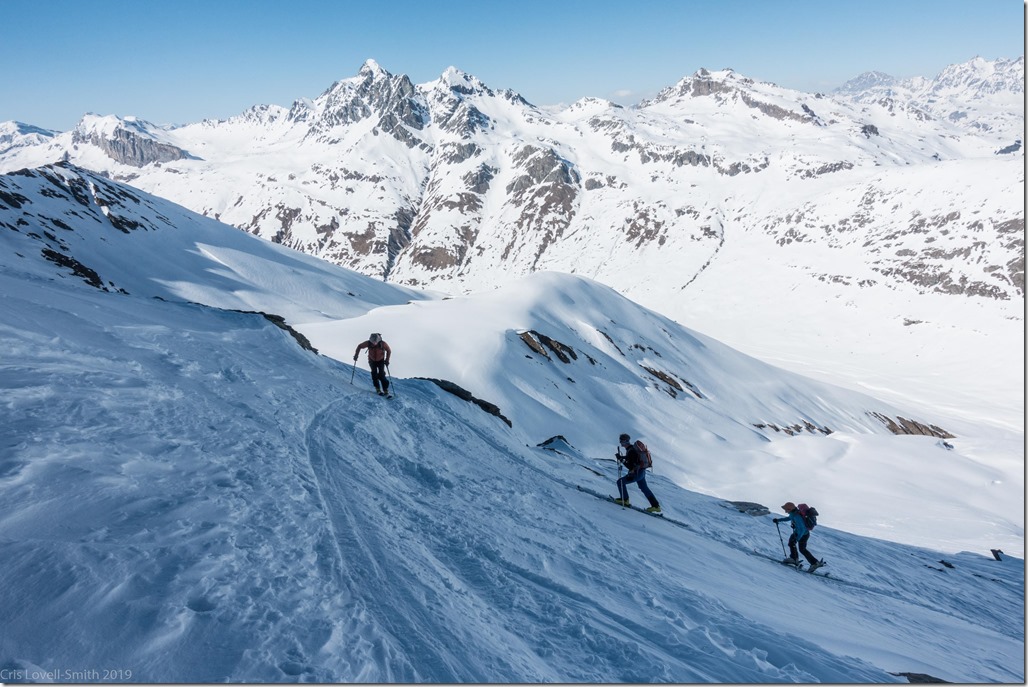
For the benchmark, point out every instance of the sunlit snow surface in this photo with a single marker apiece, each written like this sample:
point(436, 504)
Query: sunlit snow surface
point(188, 495)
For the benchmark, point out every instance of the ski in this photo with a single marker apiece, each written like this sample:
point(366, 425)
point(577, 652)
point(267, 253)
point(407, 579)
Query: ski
point(606, 497)
point(641, 510)
point(819, 572)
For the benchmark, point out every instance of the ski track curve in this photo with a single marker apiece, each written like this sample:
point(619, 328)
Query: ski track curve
point(360, 567)
point(435, 598)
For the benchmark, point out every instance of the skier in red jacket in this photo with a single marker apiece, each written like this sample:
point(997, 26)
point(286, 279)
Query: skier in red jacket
point(378, 359)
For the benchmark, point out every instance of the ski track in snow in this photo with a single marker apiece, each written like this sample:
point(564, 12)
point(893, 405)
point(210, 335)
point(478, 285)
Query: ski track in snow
point(188, 494)
point(302, 528)
point(367, 564)
point(429, 589)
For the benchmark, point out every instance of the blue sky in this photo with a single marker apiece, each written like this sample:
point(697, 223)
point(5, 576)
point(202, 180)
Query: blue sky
point(180, 61)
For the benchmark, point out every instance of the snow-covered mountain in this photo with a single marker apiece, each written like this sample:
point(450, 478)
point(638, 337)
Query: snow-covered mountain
point(894, 209)
point(190, 493)
point(441, 182)
point(978, 96)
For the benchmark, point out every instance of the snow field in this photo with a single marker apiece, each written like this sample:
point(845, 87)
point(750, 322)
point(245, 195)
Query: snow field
point(189, 495)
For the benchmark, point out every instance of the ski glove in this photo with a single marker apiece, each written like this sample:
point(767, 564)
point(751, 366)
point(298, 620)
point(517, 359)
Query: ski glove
point(354, 358)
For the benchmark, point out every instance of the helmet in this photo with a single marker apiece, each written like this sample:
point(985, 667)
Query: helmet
point(789, 506)
point(375, 338)
point(624, 438)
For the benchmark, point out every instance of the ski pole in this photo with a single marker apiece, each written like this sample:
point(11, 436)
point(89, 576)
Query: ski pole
point(353, 371)
point(620, 495)
point(390, 377)
point(780, 538)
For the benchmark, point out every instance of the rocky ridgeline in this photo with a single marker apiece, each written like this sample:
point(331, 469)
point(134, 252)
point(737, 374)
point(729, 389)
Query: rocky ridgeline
point(444, 183)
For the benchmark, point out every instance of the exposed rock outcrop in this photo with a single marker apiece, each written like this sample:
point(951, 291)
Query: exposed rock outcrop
point(131, 149)
point(466, 395)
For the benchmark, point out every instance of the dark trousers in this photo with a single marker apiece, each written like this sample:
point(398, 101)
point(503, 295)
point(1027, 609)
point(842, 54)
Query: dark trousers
point(639, 477)
point(803, 547)
point(378, 374)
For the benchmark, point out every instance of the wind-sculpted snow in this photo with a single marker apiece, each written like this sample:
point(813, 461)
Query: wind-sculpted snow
point(189, 495)
point(456, 602)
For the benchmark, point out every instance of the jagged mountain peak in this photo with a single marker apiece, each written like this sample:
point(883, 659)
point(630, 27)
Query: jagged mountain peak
point(866, 81)
point(451, 99)
point(982, 78)
point(255, 115)
point(975, 79)
point(702, 83)
point(724, 74)
point(301, 110)
point(373, 94)
point(369, 72)
point(980, 96)
point(373, 69)
point(263, 114)
point(370, 83)
point(459, 81)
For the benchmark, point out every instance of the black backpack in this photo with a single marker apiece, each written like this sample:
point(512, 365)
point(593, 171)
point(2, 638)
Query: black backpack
point(809, 514)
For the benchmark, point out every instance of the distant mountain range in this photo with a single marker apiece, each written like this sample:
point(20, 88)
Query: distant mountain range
point(878, 193)
point(448, 182)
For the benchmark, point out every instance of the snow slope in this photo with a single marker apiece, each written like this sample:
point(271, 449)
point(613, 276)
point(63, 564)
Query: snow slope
point(190, 496)
point(710, 420)
point(722, 423)
point(872, 237)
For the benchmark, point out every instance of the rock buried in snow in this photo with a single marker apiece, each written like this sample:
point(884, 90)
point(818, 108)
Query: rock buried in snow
point(920, 678)
point(747, 507)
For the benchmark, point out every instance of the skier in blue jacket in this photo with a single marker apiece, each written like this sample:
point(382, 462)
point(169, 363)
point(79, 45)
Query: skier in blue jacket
point(800, 535)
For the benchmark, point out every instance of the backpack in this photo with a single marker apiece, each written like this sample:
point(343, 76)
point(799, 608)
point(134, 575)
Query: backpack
point(645, 459)
point(809, 514)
